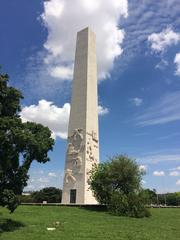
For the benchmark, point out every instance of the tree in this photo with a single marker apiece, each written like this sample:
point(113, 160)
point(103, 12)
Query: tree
point(21, 144)
point(49, 194)
point(117, 183)
point(151, 196)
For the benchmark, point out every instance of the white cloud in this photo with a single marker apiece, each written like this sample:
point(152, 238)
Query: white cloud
point(143, 182)
point(177, 62)
point(52, 174)
point(52, 178)
point(156, 158)
point(43, 180)
point(174, 173)
point(64, 19)
point(178, 182)
point(102, 110)
point(158, 173)
point(48, 114)
point(162, 64)
point(61, 72)
point(160, 41)
point(30, 187)
point(143, 168)
point(165, 110)
point(177, 168)
point(52, 116)
point(137, 101)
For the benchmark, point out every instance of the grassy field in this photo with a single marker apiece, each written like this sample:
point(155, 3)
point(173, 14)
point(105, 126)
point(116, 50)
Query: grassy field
point(31, 222)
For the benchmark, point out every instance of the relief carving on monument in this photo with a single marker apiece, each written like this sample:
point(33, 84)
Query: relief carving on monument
point(77, 161)
point(75, 147)
point(94, 137)
point(69, 176)
point(76, 139)
point(91, 145)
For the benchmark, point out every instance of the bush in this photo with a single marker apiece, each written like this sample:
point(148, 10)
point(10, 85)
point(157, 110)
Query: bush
point(26, 198)
point(132, 205)
point(117, 183)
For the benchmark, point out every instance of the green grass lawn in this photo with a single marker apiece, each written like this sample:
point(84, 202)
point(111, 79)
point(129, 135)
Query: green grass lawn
point(30, 223)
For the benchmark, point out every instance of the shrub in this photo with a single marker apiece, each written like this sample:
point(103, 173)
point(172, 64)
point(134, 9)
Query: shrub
point(117, 183)
point(132, 205)
point(26, 198)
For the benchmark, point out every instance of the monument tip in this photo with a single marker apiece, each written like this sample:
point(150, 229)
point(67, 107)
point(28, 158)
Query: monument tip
point(86, 29)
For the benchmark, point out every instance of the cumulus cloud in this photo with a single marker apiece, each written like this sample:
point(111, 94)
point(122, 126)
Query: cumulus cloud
point(48, 114)
point(149, 18)
point(52, 116)
point(64, 19)
point(160, 41)
point(137, 101)
point(65, 73)
point(143, 168)
point(52, 178)
point(52, 174)
point(174, 173)
point(178, 182)
point(102, 110)
point(159, 173)
point(43, 180)
point(177, 62)
point(176, 168)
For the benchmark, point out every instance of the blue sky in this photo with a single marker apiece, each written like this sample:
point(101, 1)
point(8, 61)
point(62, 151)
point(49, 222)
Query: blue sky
point(138, 48)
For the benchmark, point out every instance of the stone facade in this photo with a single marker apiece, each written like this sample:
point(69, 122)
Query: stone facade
point(83, 137)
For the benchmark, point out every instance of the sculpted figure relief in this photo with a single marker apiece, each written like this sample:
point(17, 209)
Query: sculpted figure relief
point(89, 151)
point(77, 161)
point(75, 146)
point(94, 137)
point(76, 139)
point(71, 150)
point(69, 176)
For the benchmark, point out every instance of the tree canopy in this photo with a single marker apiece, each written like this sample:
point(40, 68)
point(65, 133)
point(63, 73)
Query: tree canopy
point(21, 143)
point(49, 194)
point(117, 183)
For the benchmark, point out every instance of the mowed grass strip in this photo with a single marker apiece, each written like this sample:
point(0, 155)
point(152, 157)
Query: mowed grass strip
point(31, 222)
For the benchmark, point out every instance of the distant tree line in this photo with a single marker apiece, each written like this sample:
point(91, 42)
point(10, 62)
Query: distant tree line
point(49, 194)
point(169, 199)
point(54, 195)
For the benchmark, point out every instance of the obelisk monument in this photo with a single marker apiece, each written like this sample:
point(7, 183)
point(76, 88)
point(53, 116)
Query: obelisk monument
point(83, 141)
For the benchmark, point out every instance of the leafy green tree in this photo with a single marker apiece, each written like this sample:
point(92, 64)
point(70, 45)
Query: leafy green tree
point(150, 196)
point(21, 144)
point(117, 183)
point(49, 194)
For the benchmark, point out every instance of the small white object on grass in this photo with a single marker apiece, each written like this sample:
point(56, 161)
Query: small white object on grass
point(51, 229)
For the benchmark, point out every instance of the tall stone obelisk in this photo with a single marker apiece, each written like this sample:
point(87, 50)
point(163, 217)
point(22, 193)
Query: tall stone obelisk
point(83, 144)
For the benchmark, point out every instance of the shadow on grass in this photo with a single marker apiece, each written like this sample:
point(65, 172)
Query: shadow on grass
point(96, 208)
point(9, 225)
